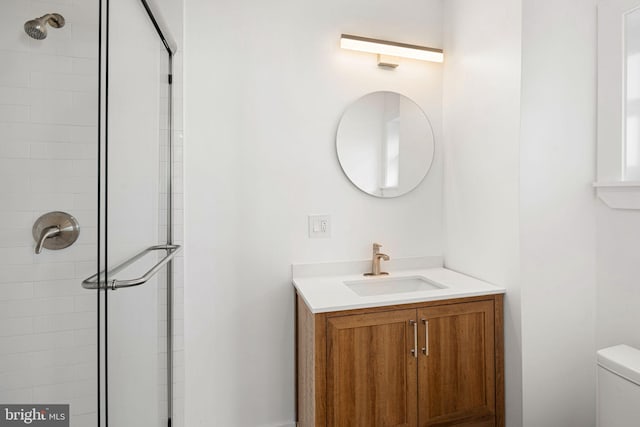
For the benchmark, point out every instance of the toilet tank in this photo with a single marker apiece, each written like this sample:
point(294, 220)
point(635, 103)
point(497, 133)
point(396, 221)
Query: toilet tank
point(618, 387)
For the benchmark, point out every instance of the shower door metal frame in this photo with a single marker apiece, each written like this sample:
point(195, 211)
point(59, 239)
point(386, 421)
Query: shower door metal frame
point(102, 278)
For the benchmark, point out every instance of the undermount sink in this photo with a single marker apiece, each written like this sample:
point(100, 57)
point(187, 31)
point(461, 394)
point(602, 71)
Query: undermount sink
point(391, 285)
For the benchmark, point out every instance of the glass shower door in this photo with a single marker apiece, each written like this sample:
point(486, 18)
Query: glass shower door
point(85, 119)
point(135, 244)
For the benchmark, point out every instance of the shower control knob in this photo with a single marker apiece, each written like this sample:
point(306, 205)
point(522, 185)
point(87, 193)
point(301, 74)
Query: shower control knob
point(55, 230)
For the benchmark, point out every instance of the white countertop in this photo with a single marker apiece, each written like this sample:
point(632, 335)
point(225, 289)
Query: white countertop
point(325, 293)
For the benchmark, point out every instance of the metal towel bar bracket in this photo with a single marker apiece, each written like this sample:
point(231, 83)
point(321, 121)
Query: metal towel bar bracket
point(97, 281)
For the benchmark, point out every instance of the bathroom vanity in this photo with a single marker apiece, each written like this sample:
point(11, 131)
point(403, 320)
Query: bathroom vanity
point(420, 347)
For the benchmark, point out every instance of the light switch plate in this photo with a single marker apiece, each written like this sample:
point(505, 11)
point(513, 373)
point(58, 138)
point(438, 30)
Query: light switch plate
point(319, 226)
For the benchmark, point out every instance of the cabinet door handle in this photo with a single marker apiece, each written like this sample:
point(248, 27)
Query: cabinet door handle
point(425, 349)
point(414, 350)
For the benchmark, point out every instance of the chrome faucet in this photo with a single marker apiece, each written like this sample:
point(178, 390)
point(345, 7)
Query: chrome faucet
point(375, 262)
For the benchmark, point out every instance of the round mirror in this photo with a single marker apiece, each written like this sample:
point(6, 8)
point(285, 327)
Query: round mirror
point(385, 144)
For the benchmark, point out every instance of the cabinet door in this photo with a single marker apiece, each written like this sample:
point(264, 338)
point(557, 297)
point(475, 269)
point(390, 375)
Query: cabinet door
point(371, 370)
point(456, 367)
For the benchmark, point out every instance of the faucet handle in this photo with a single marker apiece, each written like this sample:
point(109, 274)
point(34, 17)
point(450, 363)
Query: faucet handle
point(55, 230)
point(376, 247)
point(46, 233)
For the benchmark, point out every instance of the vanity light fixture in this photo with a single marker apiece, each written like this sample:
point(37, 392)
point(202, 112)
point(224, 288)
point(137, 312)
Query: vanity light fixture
point(386, 49)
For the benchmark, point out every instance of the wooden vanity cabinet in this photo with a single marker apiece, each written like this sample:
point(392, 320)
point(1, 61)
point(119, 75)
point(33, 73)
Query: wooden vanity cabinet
point(432, 364)
point(370, 369)
point(457, 371)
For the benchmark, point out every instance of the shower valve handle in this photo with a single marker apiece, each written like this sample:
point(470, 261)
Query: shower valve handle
point(55, 230)
point(46, 233)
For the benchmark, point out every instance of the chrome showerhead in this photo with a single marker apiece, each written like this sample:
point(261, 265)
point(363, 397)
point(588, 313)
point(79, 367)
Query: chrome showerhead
point(37, 28)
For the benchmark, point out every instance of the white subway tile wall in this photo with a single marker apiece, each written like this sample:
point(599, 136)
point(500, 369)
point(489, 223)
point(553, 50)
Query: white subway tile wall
point(48, 161)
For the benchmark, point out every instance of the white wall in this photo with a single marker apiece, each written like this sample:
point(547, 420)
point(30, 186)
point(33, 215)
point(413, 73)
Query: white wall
point(266, 84)
point(481, 133)
point(556, 280)
point(48, 150)
point(557, 222)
